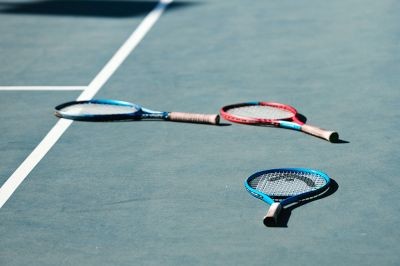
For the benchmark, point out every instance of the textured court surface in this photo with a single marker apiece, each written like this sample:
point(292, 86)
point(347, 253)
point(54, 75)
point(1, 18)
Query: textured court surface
point(161, 193)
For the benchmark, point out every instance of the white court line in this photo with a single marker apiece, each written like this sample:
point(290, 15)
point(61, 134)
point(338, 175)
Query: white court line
point(42, 88)
point(62, 125)
point(124, 51)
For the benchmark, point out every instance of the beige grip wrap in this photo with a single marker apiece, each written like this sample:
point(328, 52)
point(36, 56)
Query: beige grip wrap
point(271, 218)
point(194, 118)
point(331, 136)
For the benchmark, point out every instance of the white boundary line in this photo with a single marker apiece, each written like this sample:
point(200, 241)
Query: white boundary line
point(15, 180)
point(42, 88)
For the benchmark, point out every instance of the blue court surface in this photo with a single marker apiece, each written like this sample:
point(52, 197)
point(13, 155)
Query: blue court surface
point(168, 193)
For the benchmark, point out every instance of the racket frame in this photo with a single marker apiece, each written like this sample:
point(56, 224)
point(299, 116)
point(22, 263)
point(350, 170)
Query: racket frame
point(276, 204)
point(138, 114)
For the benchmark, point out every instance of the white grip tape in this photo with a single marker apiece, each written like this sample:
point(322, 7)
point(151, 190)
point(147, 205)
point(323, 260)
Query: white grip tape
point(271, 218)
point(194, 118)
point(331, 136)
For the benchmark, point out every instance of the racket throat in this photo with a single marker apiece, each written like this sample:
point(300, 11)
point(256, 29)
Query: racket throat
point(155, 115)
point(289, 125)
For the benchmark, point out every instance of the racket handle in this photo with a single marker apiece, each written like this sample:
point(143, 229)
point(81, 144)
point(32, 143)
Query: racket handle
point(331, 136)
point(194, 118)
point(271, 218)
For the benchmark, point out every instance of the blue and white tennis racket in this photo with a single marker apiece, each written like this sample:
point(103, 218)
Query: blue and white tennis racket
point(108, 110)
point(283, 186)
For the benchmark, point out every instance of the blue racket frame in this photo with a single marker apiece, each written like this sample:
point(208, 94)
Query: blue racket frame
point(138, 114)
point(290, 199)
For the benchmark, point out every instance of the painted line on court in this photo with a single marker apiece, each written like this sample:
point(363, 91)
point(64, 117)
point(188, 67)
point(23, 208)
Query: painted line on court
point(124, 51)
point(15, 180)
point(42, 88)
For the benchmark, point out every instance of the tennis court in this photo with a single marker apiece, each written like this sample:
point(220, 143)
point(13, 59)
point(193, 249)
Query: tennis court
point(168, 193)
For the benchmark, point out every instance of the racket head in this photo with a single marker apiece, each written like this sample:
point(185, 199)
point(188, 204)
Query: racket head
point(98, 110)
point(286, 185)
point(258, 113)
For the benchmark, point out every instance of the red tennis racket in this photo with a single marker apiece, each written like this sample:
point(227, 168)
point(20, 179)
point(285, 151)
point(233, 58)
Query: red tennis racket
point(275, 114)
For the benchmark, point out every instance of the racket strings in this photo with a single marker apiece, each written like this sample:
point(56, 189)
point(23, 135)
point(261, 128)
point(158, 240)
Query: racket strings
point(285, 184)
point(98, 109)
point(261, 111)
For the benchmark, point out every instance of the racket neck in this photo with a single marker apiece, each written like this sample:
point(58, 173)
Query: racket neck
point(154, 115)
point(289, 125)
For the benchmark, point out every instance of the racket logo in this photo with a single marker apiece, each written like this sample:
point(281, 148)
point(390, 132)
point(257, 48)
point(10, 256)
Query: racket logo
point(287, 177)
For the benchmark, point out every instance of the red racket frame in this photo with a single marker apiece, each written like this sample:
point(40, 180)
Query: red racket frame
point(250, 120)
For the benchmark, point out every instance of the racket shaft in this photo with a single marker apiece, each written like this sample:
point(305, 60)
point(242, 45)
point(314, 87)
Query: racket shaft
point(272, 215)
point(194, 118)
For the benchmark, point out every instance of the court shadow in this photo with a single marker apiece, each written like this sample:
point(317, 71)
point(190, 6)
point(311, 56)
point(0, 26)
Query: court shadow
point(224, 124)
point(341, 141)
point(301, 117)
point(85, 8)
point(286, 212)
point(147, 121)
